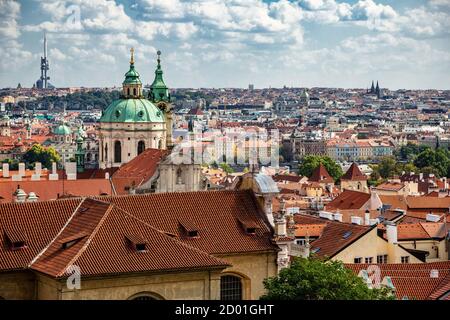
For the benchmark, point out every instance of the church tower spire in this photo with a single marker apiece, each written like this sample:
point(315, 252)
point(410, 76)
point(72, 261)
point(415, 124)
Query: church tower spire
point(158, 89)
point(132, 85)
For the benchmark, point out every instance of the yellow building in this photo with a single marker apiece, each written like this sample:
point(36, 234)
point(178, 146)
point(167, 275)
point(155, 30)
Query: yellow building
point(351, 242)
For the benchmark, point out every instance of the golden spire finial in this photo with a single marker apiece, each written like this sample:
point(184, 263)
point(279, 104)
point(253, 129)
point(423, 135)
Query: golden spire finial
point(132, 56)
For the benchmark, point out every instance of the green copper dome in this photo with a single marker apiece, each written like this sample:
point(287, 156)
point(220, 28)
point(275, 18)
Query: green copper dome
point(132, 107)
point(132, 110)
point(62, 129)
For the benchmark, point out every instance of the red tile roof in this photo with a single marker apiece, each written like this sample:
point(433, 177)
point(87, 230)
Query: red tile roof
point(286, 177)
point(54, 189)
point(104, 230)
point(321, 175)
point(349, 199)
point(39, 222)
point(414, 280)
point(428, 203)
point(396, 201)
point(100, 227)
point(421, 230)
point(137, 171)
point(354, 174)
point(332, 240)
point(216, 213)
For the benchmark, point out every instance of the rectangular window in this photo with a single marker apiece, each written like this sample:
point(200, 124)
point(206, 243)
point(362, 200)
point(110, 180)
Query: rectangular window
point(382, 258)
point(357, 260)
point(405, 259)
point(368, 259)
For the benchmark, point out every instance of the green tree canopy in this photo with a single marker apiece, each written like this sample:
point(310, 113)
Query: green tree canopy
point(226, 167)
point(410, 151)
point(387, 167)
point(313, 279)
point(438, 159)
point(311, 162)
point(38, 153)
point(13, 163)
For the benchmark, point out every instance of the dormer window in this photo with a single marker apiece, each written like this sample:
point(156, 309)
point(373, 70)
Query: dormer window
point(189, 229)
point(141, 247)
point(69, 241)
point(193, 233)
point(249, 226)
point(17, 245)
point(14, 240)
point(251, 230)
point(137, 243)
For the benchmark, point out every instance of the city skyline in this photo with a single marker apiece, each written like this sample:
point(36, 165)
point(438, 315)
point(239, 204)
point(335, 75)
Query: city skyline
point(308, 43)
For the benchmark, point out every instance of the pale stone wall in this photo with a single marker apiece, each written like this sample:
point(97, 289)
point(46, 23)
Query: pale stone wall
point(129, 135)
point(360, 186)
point(253, 269)
point(429, 245)
point(171, 286)
point(17, 285)
point(191, 178)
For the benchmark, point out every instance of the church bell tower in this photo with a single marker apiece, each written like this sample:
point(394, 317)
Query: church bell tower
point(160, 96)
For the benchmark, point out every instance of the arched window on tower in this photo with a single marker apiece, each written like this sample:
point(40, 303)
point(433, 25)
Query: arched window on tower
point(128, 91)
point(134, 92)
point(141, 147)
point(106, 152)
point(117, 152)
point(160, 144)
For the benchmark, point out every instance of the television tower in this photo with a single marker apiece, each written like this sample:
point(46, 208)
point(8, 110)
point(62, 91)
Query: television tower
point(44, 66)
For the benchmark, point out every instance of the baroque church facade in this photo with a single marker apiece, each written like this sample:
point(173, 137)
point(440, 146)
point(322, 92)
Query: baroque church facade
point(134, 123)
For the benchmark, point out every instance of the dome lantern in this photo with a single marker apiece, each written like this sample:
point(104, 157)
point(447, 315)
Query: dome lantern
point(132, 85)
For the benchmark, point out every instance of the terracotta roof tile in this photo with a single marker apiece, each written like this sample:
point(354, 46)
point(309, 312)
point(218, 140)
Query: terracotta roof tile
point(53, 189)
point(214, 212)
point(414, 280)
point(108, 228)
point(39, 221)
point(137, 171)
point(354, 174)
point(320, 174)
point(395, 201)
point(349, 199)
point(335, 235)
point(93, 228)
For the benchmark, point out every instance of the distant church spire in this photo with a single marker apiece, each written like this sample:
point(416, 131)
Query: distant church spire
point(372, 88)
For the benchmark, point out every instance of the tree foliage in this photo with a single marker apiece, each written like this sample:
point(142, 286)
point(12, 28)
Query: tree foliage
point(13, 163)
point(409, 151)
point(438, 161)
point(311, 162)
point(313, 279)
point(38, 153)
point(226, 167)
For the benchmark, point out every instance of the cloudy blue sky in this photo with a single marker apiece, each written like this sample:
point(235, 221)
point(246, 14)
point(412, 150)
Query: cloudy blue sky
point(230, 43)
